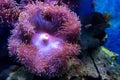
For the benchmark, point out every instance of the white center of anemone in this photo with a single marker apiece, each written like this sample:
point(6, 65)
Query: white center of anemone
point(43, 38)
point(46, 43)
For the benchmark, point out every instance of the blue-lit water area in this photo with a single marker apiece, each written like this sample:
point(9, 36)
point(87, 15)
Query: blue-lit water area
point(111, 7)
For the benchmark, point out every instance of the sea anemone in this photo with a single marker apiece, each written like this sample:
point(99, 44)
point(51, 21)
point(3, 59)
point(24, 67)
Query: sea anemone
point(45, 37)
point(9, 12)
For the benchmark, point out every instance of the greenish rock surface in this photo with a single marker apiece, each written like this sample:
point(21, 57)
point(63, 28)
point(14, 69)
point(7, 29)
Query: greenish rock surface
point(107, 66)
point(20, 74)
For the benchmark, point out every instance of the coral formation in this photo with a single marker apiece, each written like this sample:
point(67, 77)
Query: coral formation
point(94, 35)
point(20, 74)
point(45, 37)
point(85, 70)
point(110, 53)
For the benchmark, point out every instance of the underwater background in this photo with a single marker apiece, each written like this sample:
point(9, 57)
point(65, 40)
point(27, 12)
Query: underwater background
point(111, 7)
point(59, 40)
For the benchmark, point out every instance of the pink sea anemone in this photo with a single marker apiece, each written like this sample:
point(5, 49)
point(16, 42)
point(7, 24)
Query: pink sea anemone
point(9, 12)
point(45, 37)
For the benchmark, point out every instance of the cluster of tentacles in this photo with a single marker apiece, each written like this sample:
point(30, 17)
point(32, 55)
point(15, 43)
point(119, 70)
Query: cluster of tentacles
point(9, 12)
point(44, 38)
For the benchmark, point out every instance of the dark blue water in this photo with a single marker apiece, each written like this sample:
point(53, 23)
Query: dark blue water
point(84, 10)
point(112, 7)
